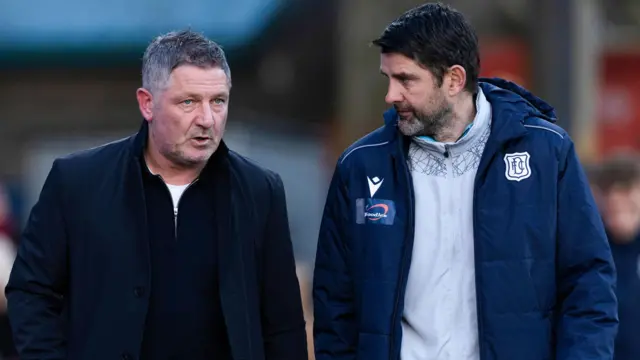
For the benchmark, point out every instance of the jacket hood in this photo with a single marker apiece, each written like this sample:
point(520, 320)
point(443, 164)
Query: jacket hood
point(504, 95)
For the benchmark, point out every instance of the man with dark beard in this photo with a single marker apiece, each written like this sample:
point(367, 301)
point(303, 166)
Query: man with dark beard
point(465, 227)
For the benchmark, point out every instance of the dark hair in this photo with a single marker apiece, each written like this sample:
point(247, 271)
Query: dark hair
point(621, 169)
point(168, 51)
point(437, 37)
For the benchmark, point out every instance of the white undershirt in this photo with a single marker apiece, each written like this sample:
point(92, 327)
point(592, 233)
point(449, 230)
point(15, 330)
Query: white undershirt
point(176, 193)
point(175, 190)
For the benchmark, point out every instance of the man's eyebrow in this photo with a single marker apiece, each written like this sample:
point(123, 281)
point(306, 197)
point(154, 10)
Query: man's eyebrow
point(224, 94)
point(185, 95)
point(190, 95)
point(401, 75)
point(405, 76)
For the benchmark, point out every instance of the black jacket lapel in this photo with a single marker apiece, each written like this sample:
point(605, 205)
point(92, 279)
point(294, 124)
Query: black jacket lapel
point(135, 205)
point(233, 294)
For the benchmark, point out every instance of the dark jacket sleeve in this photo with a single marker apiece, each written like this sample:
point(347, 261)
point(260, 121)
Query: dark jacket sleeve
point(38, 279)
point(588, 319)
point(335, 328)
point(283, 321)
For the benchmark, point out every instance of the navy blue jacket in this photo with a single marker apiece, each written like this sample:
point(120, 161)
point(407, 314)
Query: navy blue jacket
point(544, 271)
point(77, 288)
point(627, 260)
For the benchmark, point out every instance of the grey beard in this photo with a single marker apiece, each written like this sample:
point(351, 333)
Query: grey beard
point(425, 125)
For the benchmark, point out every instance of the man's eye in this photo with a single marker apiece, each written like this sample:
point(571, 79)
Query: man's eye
point(219, 101)
point(188, 102)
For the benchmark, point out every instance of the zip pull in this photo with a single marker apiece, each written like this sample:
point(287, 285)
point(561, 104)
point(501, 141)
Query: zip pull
point(446, 151)
point(175, 223)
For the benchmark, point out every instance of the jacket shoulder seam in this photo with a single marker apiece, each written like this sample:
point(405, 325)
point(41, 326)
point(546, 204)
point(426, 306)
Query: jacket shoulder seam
point(544, 128)
point(362, 147)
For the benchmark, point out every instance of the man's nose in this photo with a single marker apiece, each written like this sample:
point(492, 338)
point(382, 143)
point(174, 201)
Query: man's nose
point(206, 118)
point(393, 96)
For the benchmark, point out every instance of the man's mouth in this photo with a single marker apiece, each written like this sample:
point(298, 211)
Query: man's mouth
point(404, 114)
point(201, 139)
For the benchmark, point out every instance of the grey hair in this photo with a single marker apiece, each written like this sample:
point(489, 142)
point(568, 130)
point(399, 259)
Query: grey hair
point(168, 51)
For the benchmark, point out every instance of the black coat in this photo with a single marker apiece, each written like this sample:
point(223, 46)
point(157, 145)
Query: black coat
point(77, 288)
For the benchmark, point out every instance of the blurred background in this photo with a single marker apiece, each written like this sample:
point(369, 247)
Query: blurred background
point(306, 85)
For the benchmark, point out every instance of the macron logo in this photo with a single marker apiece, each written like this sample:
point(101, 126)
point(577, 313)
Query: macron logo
point(374, 184)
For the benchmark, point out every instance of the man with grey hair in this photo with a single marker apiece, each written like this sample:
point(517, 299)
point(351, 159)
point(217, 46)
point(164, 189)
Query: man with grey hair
point(163, 245)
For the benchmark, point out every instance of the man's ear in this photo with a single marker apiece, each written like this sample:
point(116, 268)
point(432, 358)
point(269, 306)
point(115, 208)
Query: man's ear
point(145, 103)
point(457, 77)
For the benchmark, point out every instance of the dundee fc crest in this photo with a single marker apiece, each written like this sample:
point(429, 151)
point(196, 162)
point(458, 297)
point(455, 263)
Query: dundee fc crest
point(517, 166)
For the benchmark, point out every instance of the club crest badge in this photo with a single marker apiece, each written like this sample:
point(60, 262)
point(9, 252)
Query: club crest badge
point(517, 166)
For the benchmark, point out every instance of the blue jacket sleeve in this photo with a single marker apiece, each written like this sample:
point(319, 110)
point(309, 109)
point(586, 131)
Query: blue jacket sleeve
point(37, 285)
point(588, 320)
point(335, 327)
